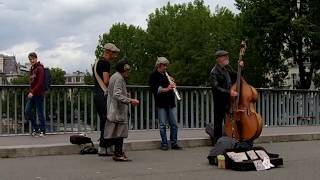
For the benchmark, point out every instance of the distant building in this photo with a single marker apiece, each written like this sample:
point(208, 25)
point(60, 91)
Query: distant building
point(24, 69)
point(75, 78)
point(9, 69)
point(292, 80)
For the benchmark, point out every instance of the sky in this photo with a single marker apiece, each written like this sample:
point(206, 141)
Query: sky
point(64, 33)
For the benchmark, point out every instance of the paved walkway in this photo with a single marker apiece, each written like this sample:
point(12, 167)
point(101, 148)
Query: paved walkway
point(57, 144)
point(300, 163)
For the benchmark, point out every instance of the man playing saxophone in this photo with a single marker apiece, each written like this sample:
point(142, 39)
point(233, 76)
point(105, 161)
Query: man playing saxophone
point(162, 88)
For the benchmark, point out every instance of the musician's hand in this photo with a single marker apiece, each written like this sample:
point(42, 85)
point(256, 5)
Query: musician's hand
point(172, 85)
point(30, 95)
point(241, 63)
point(134, 102)
point(233, 93)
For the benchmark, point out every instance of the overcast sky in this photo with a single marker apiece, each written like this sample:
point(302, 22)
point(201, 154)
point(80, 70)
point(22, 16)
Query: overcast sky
point(64, 33)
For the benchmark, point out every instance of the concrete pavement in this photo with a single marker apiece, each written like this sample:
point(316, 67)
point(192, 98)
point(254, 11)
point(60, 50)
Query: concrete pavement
point(58, 144)
point(301, 161)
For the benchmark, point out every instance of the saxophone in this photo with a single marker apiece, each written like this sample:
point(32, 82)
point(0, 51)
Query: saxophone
point(174, 89)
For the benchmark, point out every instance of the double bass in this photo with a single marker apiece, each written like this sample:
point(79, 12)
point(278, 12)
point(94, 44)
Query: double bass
point(243, 122)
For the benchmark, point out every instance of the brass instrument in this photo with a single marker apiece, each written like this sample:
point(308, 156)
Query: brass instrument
point(174, 89)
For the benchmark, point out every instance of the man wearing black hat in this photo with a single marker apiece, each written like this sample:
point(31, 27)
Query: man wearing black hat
point(101, 73)
point(222, 78)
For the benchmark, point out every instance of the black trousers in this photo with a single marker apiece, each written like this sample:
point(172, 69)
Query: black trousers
point(219, 118)
point(100, 102)
point(118, 144)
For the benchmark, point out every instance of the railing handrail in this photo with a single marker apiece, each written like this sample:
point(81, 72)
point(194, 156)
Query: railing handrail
point(71, 108)
point(146, 86)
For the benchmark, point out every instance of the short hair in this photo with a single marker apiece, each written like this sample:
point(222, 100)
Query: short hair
point(32, 55)
point(161, 60)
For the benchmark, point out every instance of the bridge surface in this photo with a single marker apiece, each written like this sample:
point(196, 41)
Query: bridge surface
point(301, 161)
point(58, 144)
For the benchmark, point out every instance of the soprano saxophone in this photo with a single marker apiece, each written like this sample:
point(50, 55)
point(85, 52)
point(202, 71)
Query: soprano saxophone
point(174, 89)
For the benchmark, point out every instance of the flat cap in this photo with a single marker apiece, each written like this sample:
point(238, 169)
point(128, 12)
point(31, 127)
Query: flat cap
point(221, 53)
point(111, 47)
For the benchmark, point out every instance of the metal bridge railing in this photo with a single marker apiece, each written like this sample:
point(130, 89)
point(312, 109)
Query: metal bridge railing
point(70, 108)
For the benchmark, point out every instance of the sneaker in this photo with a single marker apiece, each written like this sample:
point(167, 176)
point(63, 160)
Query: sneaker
point(109, 151)
point(42, 134)
point(34, 134)
point(164, 147)
point(176, 147)
point(102, 151)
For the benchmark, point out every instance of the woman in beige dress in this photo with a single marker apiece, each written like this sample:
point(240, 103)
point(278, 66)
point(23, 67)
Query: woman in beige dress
point(116, 128)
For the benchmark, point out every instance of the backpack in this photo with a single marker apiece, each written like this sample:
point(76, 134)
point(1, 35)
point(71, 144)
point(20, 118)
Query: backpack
point(83, 142)
point(80, 139)
point(47, 79)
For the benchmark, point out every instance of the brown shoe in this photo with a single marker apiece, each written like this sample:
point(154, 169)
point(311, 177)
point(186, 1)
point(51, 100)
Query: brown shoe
point(176, 147)
point(123, 158)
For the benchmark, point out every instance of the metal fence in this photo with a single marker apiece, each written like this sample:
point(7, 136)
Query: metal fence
point(70, 108)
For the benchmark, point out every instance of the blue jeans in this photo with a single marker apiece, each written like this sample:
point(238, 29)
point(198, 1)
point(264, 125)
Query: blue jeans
point(169, 114)
point(29, 115)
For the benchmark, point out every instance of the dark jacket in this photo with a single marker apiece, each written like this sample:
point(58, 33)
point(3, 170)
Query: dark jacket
point(221, 82)
point(164, 99)
point(36, 79)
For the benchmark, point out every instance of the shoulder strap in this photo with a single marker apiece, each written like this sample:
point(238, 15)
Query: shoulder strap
point(99, 80)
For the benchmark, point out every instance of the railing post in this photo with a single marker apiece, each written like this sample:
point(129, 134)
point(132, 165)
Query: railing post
point(195, 110)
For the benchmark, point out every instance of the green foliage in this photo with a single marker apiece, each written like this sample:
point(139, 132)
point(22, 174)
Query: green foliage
point(57, 76)
point(88, 79)
point(131, 41)
point(188, 35)
point(24, 79)
point(316, 80)
point(263, 23)
point(280, 31)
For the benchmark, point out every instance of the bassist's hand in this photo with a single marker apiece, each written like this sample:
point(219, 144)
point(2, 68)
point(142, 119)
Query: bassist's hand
point(241, 63)
point(233, 93)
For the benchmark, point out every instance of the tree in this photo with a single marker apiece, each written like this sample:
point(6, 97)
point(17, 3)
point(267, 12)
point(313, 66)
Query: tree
point(282, 30)
point(188, 35)
point(57, 76)
point(131, 41)
point(24, 79)
point(264, 23)
point(88, 78)
point(316, 80)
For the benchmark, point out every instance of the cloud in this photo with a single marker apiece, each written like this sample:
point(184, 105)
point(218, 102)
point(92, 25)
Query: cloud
point(68, 53)
point(65, 33)
point(21, 50)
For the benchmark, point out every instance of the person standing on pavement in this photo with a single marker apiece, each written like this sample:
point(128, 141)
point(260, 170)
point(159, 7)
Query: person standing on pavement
point(101, 73)
point(36, 96)
point(164, 97)
point(222, 78)
point(116, 128)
